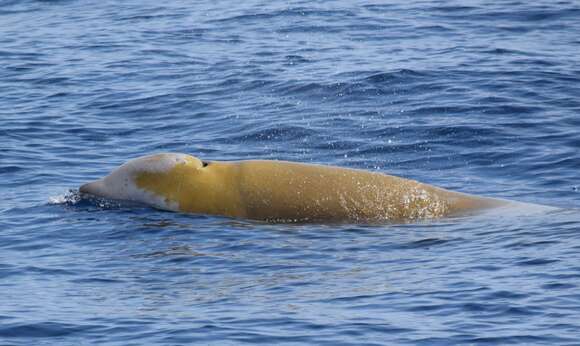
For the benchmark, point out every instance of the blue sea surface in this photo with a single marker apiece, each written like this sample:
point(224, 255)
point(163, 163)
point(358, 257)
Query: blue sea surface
point(476, 96)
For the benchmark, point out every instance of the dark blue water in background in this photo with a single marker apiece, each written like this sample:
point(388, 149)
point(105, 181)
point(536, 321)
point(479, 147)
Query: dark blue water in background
point(476, 96)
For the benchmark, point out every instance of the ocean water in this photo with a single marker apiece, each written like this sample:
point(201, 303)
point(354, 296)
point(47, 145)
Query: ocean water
point(475, 96)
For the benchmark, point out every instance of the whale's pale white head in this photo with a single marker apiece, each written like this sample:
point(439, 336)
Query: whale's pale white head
point(121, 183)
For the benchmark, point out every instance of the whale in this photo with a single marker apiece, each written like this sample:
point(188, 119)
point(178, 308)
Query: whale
point(280, 191)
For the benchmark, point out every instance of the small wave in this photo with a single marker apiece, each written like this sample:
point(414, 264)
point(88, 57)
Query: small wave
point(395, 76)
point(10, 169)
point(43, 329)
point(427, 243)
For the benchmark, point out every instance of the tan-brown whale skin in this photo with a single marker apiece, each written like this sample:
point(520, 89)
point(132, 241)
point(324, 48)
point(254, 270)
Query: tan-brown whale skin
point(280, 191)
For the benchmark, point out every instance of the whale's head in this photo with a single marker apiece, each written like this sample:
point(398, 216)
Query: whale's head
point(138, 180)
